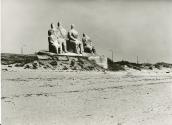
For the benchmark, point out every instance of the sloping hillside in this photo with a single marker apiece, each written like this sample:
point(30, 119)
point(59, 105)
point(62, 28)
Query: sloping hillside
point(71, 63)
point(53, 62)
point(123, 65)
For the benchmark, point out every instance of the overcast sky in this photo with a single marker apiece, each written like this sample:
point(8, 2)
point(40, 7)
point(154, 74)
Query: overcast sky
point(131, 28)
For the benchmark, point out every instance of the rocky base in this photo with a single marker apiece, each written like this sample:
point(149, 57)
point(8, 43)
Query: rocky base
point(54, 62)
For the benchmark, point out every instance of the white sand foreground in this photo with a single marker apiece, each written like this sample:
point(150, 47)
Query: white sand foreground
point(40, 97)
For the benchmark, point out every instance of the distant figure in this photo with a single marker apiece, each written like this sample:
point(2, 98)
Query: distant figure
point(61, 36)
point(54, 45)
point(75, 43)
point(87, 44)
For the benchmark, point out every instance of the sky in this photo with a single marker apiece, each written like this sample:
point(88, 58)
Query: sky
point(130, 28)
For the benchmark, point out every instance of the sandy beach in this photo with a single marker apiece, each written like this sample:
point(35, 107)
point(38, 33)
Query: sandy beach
point(43, 97)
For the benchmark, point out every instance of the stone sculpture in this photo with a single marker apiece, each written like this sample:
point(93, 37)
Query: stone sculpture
point(54, 45)
point(61, 37)
point(87, 44)
point(61, 41)
point(73, 41)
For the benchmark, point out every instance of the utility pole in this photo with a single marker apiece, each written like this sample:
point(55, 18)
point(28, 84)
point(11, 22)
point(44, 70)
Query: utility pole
point(137, 60)
point(22, 49)
point(112, 54)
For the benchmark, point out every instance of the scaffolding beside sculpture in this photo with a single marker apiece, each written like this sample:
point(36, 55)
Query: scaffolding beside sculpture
point(61, 41)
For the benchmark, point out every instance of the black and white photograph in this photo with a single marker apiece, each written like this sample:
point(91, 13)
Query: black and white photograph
point(86, 62)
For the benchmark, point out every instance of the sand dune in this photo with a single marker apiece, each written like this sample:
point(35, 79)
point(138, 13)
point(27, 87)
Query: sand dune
point(42, 97)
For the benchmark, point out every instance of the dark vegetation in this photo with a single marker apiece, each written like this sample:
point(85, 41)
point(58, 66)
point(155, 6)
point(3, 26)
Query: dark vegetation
point(54, 62)
point(18, 59)
point(122, 65)
point(112, 66)
point(72, 63)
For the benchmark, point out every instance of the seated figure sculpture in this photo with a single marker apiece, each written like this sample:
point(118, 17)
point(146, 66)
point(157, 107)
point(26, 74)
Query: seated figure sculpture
point(54, 44)
point(87, 44)
point(61, 34)
point(74, 43)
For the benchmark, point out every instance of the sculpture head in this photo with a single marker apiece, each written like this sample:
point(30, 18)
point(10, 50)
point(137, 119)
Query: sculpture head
point(49, 33)
point(58, 24)
point(52, 26)
point(72, 26)
point(83, 35)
